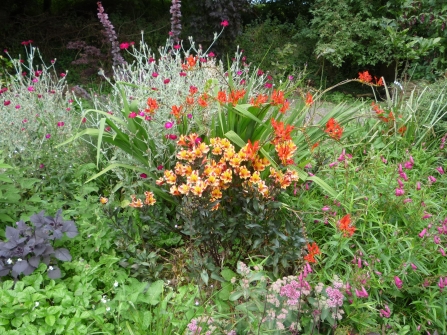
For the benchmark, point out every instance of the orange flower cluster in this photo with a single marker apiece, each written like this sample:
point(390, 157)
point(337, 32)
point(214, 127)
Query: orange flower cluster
point(313, 251)
point(138, 203)
point(259, 100)
point(281, 133)
point(278, 99)
point(235, 96)
point(345, 226)
point(176, 111)
point(208, 170)
point(366, 78)
point(334, 129)
point(381, 113)
point(152, 105)
point(190, 62)
point(309, 99)
point(284, 146)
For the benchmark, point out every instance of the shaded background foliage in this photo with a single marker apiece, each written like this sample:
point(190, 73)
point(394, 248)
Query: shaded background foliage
point(334, 39)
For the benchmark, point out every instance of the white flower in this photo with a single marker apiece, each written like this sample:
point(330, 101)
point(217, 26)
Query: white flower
point(115, 284)
point(104, 299)
point(19, 259)
point(197, 303)
point(50, 268)
point(9, 261)
point(107, 309)
point(36, 304)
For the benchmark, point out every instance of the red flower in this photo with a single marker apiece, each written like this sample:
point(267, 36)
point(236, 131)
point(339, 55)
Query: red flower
point(313, 251)
point(365, 77)
point(345, 226)
point(282, 133)
point(334, 129)
point(224, 23)
point(309, 99)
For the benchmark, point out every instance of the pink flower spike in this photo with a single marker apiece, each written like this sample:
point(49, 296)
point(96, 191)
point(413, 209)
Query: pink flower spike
point(440, 170)
point(385, 313)
point(418, 186)
point(325, 208)
point(441, 250)
point(399, 192)
point(399, 169)
point(422, 233)
point(404, 176)
point(224, 23)
point(431, 179)
point(331, 165)
point(407, 200)
point(398, 282)
point(413, 266)
point(47, 135)
point(427, 215)
point(401, 184)
point(408, 165)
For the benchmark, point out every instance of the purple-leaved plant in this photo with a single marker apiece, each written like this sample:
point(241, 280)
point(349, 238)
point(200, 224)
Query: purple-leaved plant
point(176, 26)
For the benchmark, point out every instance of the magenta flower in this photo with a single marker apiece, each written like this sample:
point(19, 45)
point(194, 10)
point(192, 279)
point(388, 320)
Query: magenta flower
point(124, 45)
point(30, 88)
point(60, 124)
point(166, 81)
point(431, 179)
point(177, 46)
point(413, 266)
point(361, 293)
point(143, 175)
point(182, 74)
point(41, 166)
point(325, 208)
point(407, 200)
point(224, 23)
point(399, 168)
point(169, 125)
point(155, 74)
point(268, 85)
point(385, 313)
point(260, 72)
point(436, 239)
point(398, 282)
point(399, 192)
point(401, 184)
point(62, 75)
point(6, 102)
point(47, 135)
point(331, 165)
point(422, 233)
point(173, 137)
point(132, 115)
point(189, 116)
point(211, 54)
point(290, 77)
point(160, 167)
point(404, 176)
point(427, 215)
point(151, 60)
point(441, 250)
point(440, 170)
point(418, 186)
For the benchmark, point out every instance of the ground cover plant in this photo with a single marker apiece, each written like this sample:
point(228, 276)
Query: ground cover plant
point(203, 196)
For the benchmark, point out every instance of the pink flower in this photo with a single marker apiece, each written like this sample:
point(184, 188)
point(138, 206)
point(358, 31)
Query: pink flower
point(41, 166)
point(143, 175)
point(407, 200)
point(361, 293)
point(401, 184)
point(418, 186)
point(62, 75)
point(431, 179)
point(224, 23)
point(84, 120)
point(427, 215)
point(260, 72)
point(399, 192)
point(24, 120)
point(398, 282)
point(47, 135)
point(422, 233)
point(413, 266)
point(189, 116)
point(211, 54)
point(268, 85)
point(17, 107)
point(166, 81)
point(124, 45)
point(171, 33)
point(440, 170)
point(160, 167)
point(6, 102)
point(436, 239)
point(177, 46)
point(37, 73)
point(441, 250)
point(151, 60)
point(385, 313)
point(30, 88)
point(399, 168)
point(290, 77)
point(325, 208)
point(408, 165)
point(60, 124)
point(132, 115)
point(404, 176)
point(182, 74)
point(155, 74)
point(169, 125)
point(331, 165)
point(172, 137)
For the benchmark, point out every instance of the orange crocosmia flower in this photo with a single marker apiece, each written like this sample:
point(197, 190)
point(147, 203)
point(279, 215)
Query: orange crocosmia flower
point(150, 199)
point(191, 60)
point(309, 99)
point(334, 129)
point(313, 251)
point(202, 100)
point(277, 98)
point(281, 133)
point(251, 149)
point(152, 105)
point(176, 111)
point(190, 100)
point(402, 130)
point(365, 77)
point(345, 226)
point(284, 107)
point(285, 151)
point(314, 146)
point(222, 97)
point(379, 82)
point(235, 96)
point(259, 100)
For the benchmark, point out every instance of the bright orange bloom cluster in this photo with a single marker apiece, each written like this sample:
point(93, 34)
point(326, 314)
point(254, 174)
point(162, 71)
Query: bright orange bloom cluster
point(259, 100)
point(152, 105)
point(190, 62)
point(176, 111)
point(222, 97)
point(278, 99)
point(208, 170)
point(235, 96)
point(366, 78)
point(313, 251)
point(345, 226)
point(285, 151)
point(138, 203)
point(334, 129)
point(282, 133)
point(381, 113)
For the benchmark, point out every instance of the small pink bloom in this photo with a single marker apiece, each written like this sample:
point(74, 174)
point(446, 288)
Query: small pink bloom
point(211, 54)
point(160, 167)
point(124, 45)
point(24, 121)
point(6, 102)
point(440, 170)
point(151, 60)
point(84, 120)
point(30, 88)
point(399, 192)
point(431, 179)
point(35, 80)
point(60, 124)
point(182, 74)
point(385, 313)
point(268, 85)
point(401, 184)
point(418, 186)
point(143, 175)
point(398, 282)
point(132, 115)
point(166, 81)
point(422, 233)
point(408, 165)
point(169, 125)
point(441, 250)
point(427, 215)
point(325, 208)
point(331, 165)
point(407, 200)
point(290, 77)
point(41, 166)
point(17, 107)
point(399, 168)
point(189, 116)
point(383, 159)
point(224, 23)
point(141, 113)
point(47, 135)
point(172, 137)
point(177, 46)
point(413, 266)
point(260, 72)
point(171, 33)
point(404, 176)
point(155, 74)
point(436, 239)
point(62, 75)
point(68, 109)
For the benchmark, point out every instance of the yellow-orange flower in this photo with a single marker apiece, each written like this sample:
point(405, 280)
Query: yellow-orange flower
point(170, 177)
point(103, 200)
point(260, 163)
point(235, 161)
point(193, 177)
point(259, 100)
point(263, 189)
point(179, 169)
point(216, 193)
point(198, 188)
point(183, 189)
point(136, 203)
point(222, 97)
point(150, 199)
point(174, 190)
point(213, 180)
point(285, 151)
point(160, 181)
point(244, 173)
point(176, 111)
point(229, 153)
point(226, 176)
point(255, 178)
